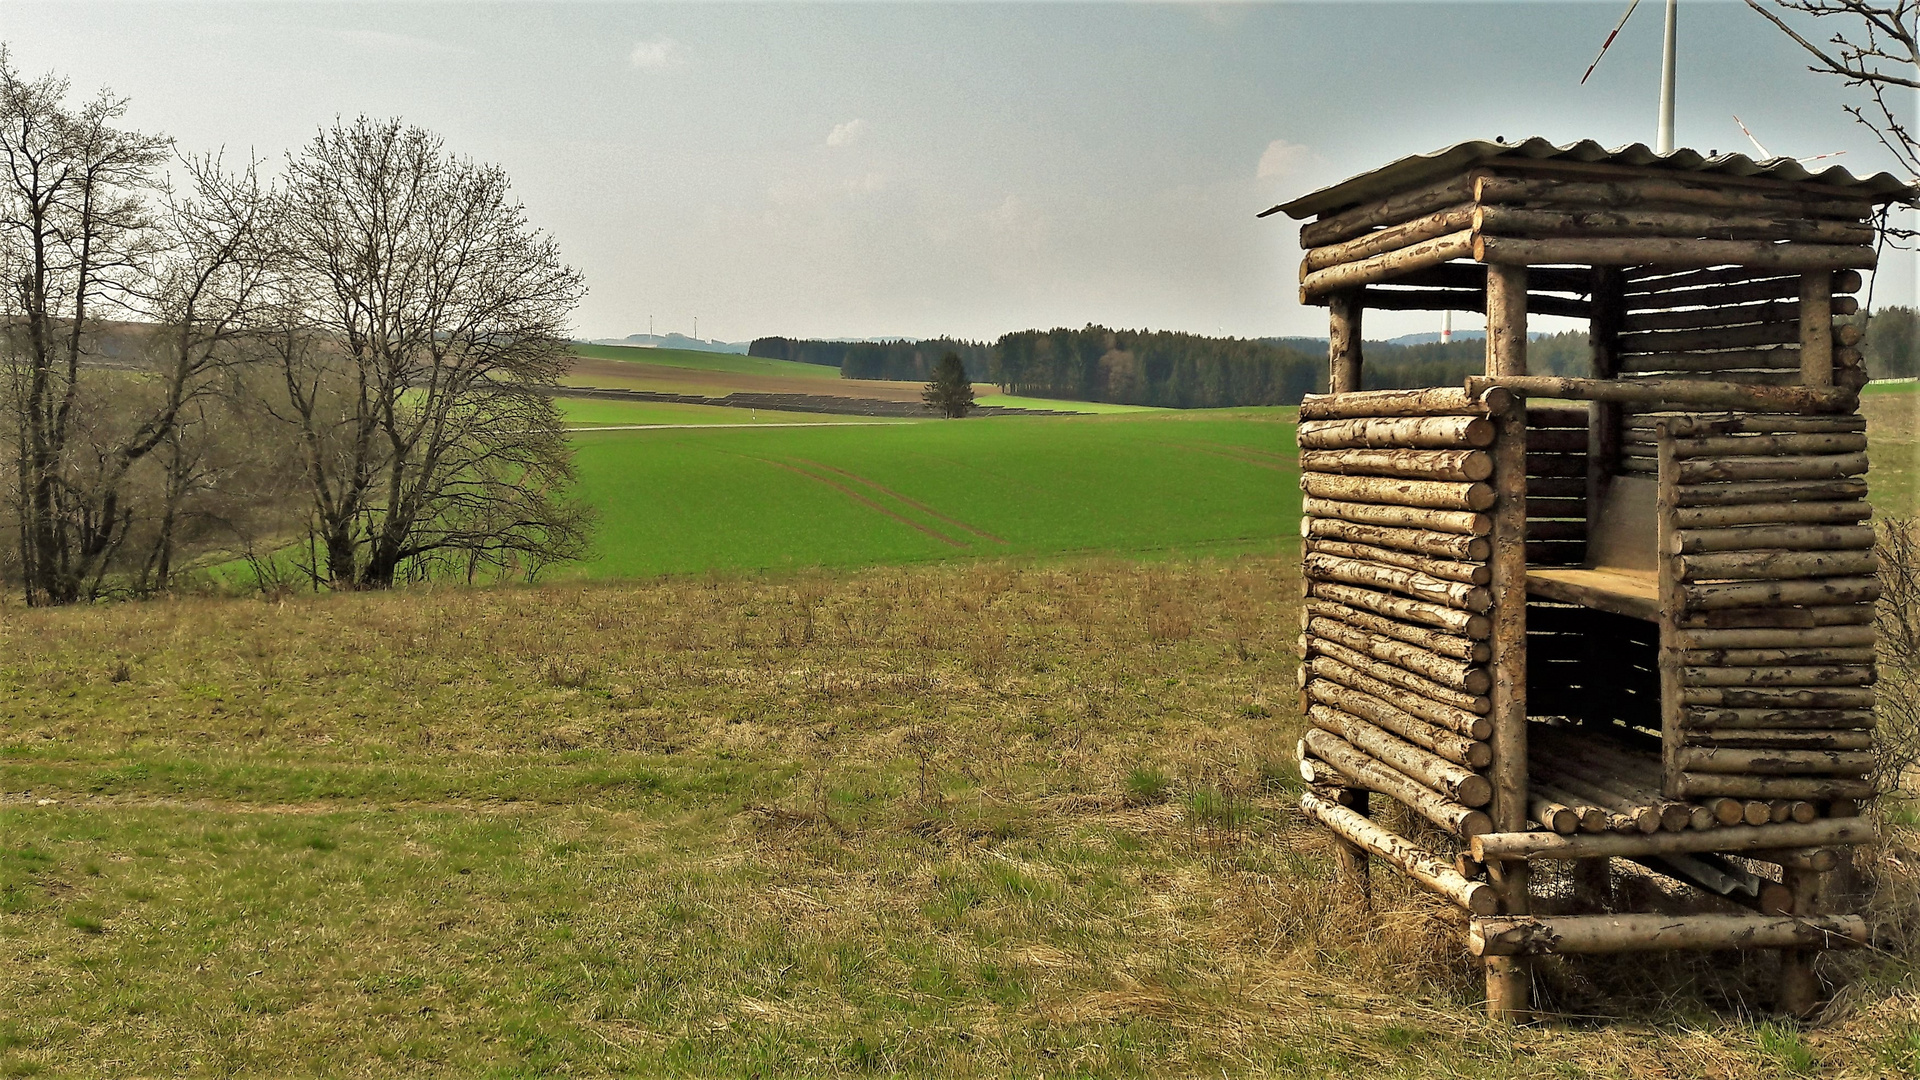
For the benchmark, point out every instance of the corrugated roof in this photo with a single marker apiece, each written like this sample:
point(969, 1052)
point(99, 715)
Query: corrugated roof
point(1413, 171)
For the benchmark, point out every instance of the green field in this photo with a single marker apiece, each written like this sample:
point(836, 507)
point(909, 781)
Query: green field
point(686, 501)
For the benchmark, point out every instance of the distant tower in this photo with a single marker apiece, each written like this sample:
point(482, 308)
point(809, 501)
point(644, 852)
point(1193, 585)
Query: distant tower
point(1446, 327)
point(696, 328)
point(649, 326)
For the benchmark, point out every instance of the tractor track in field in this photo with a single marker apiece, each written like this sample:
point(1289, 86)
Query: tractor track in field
point(892, 494)
point(866, 502)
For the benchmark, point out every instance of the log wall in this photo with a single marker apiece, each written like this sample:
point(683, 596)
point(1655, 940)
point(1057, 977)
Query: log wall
point(1394, 680)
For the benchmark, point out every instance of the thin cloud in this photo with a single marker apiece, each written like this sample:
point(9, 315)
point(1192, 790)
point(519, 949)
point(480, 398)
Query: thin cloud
point(661, 53)
point(1282, 159)
point(845, 134)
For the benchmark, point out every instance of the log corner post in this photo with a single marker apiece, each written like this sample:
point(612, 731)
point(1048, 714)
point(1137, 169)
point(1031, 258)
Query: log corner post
point(1799, 990)
point(1816, 329)
point(1352, 858)
point(1506, 319)
point(1509, 982)
point(1343, 342)
point(1673, 734)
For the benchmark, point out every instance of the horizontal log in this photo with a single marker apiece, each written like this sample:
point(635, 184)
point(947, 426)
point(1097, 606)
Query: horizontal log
point(1396, 676)
point(1721, 337)
point(1556, 508)
point(1539, 935)
point(1772, 538)
point(1707, 425)
point(1725, 294)
point(1742, 377)
point(1460, 748)
point(1395, 298)
point(1624, 815)
point(1552, 815)
point(1428, 401)
point(1414, 541)
point(1810, 637)
point(1411, 583)
point(1558, 487)
point(1700, 318)
point(1777, 787)
point(1731, 721)
point(1556, 467)
point(1843, 443)
point(1556, 530)
point(1837, 590)
point(1389, 264)
point(1542, 417)
point(1669, 280)
point(1470, 275)
point(1397, 432)
point(1675, 252)
point(1455, 674)
point(1430, 770)
point(1475, 896)
point(1659, 192)
point(1392, 491)
point(1655, 223)
point(1452, 717)
point(1775, 761)
point(1775, 565)
point(1739, 658)
point(1847, 510)
point(1756, 738)
point(1439, 616)
point(1784, 358)
point(1445, 569)
point(1709, 470)
point(1835, 615)
point(1778, 675)
point(1674, 392)
point(1771, 491)
point(1827, 832)
point(1450, 465)
point(1438, 223)
point(1588, 817)
point(1459, 522)
point(1779, 697)
point(1813, 860)
point(1444, 812)
point(1455, 646)
point(1358, 220)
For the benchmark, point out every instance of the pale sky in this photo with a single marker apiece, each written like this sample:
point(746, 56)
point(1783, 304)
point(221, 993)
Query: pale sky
point(909, 169)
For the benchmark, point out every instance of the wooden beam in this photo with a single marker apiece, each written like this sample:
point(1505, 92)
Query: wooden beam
point(1666, 251)
point(1806, 399)
point(1816, 329)
point(1584, 223)
point(1356, 221)
point(1415, 862)
point(1497, 936)
point(1826, 832)
point(1387, 265)
point(1645, 190)
point(1343, 343)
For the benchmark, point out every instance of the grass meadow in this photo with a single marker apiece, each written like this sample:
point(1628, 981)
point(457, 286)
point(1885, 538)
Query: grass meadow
point(954, 820)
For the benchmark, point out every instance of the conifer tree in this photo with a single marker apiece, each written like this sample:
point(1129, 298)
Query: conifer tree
point(951, 392)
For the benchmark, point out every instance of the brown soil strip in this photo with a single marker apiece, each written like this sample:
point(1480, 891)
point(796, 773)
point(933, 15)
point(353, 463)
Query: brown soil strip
point(891, 494)
point(866, 502)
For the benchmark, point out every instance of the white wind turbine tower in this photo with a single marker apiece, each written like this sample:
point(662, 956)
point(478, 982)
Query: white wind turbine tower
point(1663, 141)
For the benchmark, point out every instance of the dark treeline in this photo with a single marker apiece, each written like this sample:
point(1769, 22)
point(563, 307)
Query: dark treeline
point(1891, 349)
point(909, 361)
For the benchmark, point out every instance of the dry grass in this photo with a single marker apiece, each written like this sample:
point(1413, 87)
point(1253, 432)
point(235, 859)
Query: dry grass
point(980, 820)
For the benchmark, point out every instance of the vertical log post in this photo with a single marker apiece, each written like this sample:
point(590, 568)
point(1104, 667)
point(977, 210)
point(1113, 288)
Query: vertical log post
point(1343, 343)
point(1352, 858)
point(1799, 991)
point(1509, 989)
point(1816, 329)
point(1673, 736)
point(1593, 878)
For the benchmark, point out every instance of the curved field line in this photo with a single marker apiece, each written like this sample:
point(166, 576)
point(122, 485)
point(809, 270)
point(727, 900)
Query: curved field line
point(891, 494)
point(866, 502)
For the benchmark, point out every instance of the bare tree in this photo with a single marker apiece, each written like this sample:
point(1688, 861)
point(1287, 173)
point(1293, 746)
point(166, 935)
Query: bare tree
point(74, 218)
point(1875, 46)
point(423, 320)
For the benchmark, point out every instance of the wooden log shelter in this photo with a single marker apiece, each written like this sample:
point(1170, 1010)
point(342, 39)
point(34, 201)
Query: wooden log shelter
point(1622, 620)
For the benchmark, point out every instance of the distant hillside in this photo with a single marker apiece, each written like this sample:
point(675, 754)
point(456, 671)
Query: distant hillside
point(674, 341)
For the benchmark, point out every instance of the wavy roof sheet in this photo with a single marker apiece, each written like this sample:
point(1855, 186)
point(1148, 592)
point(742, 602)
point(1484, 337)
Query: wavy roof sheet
point(1413, 171)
